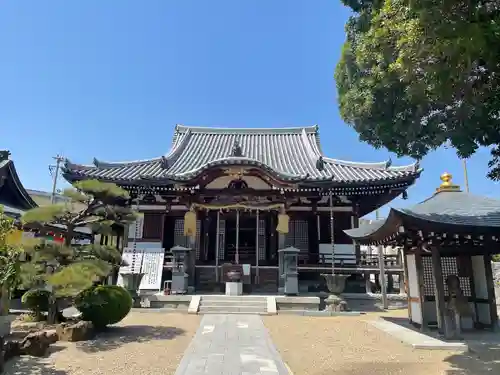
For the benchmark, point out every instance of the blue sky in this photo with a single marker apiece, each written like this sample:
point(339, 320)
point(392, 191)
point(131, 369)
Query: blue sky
point(110, 79)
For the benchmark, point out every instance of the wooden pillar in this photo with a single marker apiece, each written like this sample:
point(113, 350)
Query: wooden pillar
point(420, 275)
point(437, 275)
point(237, 255)
point(217, 239)
point(383, 279)
point(355, 224)
point(332, 232)
point(257, 247)
point(403, 277)
point(368, 283)
point(491, 291)
point(273, 238)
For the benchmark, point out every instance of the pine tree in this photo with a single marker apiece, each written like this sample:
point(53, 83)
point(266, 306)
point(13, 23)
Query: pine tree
point(66, 269)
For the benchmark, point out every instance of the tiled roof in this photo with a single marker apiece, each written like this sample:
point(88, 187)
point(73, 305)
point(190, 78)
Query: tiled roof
point(10, 179)
point(291, 154)
point(452, 208)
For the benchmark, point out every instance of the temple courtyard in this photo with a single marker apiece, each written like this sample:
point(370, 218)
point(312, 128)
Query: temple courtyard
point(179, 344)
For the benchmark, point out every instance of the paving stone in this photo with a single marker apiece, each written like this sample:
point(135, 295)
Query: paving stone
point(232, 345)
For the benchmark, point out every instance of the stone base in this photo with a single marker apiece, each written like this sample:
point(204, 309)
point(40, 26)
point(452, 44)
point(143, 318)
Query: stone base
point(335, 303)
point(80, 331)
point(234, 288)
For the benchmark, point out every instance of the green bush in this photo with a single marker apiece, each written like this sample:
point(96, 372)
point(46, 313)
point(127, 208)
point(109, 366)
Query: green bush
point(104, 304)
point(37, 301)
point(495, 258)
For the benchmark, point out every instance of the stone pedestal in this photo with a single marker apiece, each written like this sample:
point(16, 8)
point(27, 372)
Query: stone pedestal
point(234, 288)
point(179, 282)
point(335, 303)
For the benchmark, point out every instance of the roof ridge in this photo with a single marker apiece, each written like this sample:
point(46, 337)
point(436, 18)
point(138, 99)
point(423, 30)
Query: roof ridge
point(236, 158)
point(110, 164)
point(387, 165)
point(250, 130)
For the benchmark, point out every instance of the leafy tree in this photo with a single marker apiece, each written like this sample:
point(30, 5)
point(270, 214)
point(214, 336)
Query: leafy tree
point(416, 74)
point(10, 254)
point(66, 269)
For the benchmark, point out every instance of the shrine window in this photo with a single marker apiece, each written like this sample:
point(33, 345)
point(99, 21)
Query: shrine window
point(153, 226)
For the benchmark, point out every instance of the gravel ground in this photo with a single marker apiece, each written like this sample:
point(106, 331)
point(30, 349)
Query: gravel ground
point(143, 343)
point(350, 346)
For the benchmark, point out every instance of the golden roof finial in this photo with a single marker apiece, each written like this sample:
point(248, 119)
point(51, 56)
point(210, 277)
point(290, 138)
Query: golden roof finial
point(447, 184)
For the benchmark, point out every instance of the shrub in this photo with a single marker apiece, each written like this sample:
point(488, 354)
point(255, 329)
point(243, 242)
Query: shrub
point(104, 304)
point(495, 257)
point(37, 301)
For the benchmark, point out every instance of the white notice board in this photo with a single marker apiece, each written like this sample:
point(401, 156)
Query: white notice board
point(152, 267)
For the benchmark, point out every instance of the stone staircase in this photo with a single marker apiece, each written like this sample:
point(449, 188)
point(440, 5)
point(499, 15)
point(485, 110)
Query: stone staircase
point(233, 305)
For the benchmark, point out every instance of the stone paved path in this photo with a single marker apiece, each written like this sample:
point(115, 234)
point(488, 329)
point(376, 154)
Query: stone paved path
point(231, 345)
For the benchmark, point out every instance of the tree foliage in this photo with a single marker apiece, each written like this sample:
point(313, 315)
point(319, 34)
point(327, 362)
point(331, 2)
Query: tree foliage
point(417, 74)
point(11, 252)
point(67, 268)
point(91, 203)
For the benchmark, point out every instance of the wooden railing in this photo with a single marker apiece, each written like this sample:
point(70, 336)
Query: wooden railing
point(349, 260)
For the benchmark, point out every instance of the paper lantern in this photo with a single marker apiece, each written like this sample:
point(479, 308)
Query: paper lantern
point(283, 221)
point(190, 224)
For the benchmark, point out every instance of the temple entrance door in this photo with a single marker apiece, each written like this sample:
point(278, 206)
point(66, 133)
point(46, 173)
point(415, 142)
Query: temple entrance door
point(241, 237)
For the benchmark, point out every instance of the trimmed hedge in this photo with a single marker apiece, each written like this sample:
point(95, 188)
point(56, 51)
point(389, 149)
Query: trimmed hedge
point(37, 301)
point(104, 304)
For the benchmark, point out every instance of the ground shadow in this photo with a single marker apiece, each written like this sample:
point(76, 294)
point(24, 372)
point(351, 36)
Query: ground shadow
point(34, 365)
point(487, 361)
point(114, 337)
point(372, 305)
point(483, 356)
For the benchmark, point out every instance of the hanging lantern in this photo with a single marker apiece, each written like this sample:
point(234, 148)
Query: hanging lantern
point(283, 221)
point(190, 224)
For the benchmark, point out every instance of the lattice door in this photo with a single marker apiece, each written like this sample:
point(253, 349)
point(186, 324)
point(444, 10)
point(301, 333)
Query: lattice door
point(290, 236)
point(298, 237)
point(182, 240)
point(450, 267)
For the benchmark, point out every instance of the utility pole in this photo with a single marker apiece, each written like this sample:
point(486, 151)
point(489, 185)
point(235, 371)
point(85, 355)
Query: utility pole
point(466, 176)
point(55, 174)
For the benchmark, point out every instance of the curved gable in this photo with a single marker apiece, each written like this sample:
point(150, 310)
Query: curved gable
point(12, 191)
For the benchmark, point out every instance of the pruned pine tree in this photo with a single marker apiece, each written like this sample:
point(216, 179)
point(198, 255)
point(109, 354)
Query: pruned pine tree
point(65, 268)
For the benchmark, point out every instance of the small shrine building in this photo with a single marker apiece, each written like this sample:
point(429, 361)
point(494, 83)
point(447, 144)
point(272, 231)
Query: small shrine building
point(448, 240)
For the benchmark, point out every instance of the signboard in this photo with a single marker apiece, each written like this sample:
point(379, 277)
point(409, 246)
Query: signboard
point(148, 261)
point(152, 267)
point(131, 260)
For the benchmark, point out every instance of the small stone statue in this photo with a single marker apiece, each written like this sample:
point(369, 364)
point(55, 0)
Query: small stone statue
point(458, 304)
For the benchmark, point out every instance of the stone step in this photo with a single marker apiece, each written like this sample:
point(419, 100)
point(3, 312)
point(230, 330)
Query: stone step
point(233, 313)
point(262, 304)
point(235, 299)
point(233, 309)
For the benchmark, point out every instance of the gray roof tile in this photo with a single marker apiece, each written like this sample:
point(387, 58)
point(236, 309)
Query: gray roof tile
point(453, 208)
point(289, 153)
